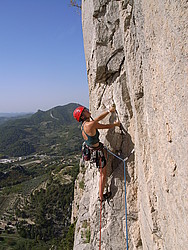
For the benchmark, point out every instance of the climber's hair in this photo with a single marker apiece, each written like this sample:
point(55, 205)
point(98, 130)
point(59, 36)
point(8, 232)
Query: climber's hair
point(82, 119)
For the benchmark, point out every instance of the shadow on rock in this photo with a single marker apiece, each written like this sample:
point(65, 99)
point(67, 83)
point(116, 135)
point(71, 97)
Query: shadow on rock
point(121, 145)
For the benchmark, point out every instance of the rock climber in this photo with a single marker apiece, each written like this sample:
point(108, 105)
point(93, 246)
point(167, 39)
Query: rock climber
point(90, 135)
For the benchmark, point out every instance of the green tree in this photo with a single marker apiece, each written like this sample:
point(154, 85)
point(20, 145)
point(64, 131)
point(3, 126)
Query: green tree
point(76, 3)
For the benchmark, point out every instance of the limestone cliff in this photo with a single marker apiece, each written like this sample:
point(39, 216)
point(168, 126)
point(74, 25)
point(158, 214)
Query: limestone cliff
point(135, 54)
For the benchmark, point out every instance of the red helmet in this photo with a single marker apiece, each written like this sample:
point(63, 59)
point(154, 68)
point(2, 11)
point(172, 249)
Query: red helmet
point(78, 112)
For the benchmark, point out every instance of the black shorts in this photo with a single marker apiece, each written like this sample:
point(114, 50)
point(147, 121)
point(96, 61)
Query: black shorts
point(98, 155)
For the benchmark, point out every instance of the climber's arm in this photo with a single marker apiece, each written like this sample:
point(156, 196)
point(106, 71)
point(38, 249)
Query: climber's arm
point(97, 125)
point(104, 114)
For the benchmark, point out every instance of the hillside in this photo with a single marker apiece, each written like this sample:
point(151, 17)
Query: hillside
point(40, 162)
point(52, 132)
point(35, 203)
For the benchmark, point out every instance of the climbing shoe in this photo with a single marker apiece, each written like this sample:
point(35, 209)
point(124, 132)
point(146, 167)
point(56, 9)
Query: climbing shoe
point(107, 195)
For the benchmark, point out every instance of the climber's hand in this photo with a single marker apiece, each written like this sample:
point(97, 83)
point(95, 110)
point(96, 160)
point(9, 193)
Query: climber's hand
point(117, 124)
point(112, 109)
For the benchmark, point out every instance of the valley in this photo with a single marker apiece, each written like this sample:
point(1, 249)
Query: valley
point(36, 189)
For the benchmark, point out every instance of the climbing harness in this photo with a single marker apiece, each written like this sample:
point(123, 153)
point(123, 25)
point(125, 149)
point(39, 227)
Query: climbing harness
point(124, 163)
point(94, 154)
point(86, 152)
point(98, 156)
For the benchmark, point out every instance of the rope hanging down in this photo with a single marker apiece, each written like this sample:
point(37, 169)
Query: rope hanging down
point(124, 163)
point(100, 215)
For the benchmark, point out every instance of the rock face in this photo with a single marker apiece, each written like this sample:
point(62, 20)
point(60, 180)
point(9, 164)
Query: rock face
point(136, 58)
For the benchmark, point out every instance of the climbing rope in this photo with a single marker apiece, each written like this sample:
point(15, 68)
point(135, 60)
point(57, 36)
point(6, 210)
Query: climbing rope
point(100, 211)
point(124, 163)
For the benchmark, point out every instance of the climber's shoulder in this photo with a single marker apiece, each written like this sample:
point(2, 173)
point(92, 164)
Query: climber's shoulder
point(91, 124)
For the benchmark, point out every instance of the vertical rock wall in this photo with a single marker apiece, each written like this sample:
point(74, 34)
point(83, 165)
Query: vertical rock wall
point(136, 58)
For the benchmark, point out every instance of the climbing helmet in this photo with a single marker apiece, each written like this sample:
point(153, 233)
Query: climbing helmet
point(78, 113)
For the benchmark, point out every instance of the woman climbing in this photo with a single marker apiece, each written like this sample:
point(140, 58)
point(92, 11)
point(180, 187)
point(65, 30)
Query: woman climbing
point(90, 134)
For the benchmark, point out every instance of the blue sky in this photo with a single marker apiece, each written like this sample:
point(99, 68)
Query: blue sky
point(42, 62)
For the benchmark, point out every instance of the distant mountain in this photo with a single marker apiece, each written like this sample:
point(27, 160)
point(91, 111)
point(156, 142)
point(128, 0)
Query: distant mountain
point(10, 115)
point(4, 117)
point(60, 114)
point(54, 131)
